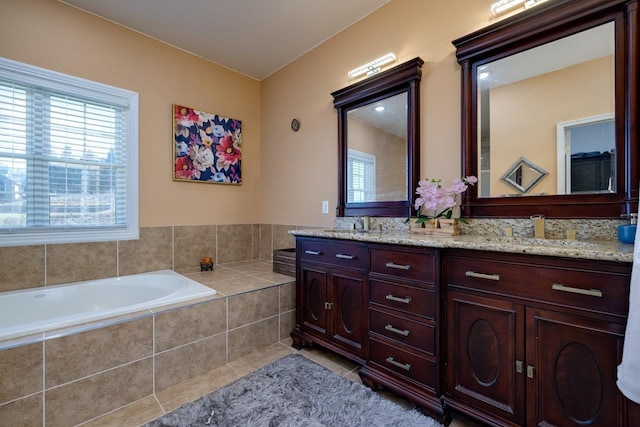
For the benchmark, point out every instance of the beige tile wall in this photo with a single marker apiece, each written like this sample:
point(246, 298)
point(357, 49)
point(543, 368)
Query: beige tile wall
point(178, 248)
point(94, 372)
point(74, 378)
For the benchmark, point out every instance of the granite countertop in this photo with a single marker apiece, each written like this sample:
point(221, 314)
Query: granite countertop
point(604, 250)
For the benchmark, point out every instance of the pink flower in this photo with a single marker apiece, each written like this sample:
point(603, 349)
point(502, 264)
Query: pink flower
point(433, 197)
point(227, 152)
point(471, 179)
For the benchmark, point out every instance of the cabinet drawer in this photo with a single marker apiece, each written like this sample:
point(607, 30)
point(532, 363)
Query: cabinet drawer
point(404, 363)
point(338, 254)
point(581, 288)
point(404, 264)
point(408, 299)
point(404, 331)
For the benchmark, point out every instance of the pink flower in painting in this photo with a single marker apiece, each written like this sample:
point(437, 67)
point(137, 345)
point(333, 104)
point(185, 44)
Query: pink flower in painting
point(184, 168)
point(228, 153)
point(185, 116)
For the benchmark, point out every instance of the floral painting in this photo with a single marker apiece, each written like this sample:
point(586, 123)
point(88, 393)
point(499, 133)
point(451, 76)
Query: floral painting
point(207, 147)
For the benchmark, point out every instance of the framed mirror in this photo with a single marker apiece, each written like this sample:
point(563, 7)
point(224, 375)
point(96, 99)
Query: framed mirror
point(555, 85)
point(378, 142)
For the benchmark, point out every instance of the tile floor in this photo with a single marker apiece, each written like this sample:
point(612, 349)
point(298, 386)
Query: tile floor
point(173, 397)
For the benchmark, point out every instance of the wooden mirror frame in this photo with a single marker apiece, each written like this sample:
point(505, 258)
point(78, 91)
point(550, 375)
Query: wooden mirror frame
point(533, 27)
point(402, 78)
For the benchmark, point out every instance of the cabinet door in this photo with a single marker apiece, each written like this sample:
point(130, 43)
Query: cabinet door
point(574, 363)
point(349, 311)
point(485, 349)
point(313, 299)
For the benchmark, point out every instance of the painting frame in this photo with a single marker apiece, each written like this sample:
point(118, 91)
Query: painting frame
point(206, 147)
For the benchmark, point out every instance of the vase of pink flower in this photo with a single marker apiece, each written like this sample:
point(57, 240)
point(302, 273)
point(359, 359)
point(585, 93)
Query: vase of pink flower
point(435, 204)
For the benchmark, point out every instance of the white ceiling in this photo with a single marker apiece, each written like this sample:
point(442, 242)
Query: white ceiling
point(252, 37)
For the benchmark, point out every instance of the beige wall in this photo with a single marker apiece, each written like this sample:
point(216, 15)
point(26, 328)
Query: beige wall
point(300, 169)
point(286, 175)
point(52, 35)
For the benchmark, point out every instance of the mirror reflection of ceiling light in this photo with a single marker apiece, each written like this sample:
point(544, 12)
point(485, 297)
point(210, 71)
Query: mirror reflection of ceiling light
point(373, 67)
point(379, 108)
point(483, 75)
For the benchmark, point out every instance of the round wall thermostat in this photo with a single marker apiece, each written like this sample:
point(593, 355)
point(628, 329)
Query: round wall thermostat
point(295, 125)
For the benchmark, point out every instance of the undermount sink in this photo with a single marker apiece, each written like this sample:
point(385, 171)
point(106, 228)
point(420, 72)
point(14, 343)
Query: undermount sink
point(531, 241)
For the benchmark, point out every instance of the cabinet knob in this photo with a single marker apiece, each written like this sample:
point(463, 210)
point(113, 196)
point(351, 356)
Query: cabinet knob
point(519, 366)
point(328, 305)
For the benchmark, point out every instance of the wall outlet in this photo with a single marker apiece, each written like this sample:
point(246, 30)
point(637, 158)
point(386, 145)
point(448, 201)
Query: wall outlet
point(325, 206)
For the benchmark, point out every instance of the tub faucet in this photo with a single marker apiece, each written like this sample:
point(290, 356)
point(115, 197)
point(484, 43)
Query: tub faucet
point(539, 229)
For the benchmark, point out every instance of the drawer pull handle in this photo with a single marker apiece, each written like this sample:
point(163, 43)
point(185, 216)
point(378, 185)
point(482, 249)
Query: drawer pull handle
point(405, 366)
point(309, 252)
point(404, 332)
point(345, 256)
point(398, 266)
point(495, 277)
point(589, 292)
point(406, 300)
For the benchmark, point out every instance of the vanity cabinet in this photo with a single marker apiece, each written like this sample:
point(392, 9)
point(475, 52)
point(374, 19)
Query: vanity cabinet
point(331, 296)
point(535, 340)
point(403, 334)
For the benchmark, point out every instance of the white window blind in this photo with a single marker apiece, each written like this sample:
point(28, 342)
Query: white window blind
point(361, 182)
point(68, 158)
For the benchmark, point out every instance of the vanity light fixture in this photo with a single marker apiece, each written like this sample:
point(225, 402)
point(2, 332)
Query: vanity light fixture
point(505, 5)
point(531, 3)
point(372, 67)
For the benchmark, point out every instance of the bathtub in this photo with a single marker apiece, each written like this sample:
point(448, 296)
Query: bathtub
point(32, 311)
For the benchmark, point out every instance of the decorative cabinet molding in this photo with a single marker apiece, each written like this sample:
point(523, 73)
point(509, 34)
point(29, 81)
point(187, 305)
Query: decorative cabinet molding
point(540, 344)
point(331, 296)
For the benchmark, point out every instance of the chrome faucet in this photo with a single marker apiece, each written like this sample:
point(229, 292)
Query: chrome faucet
point(539, 229)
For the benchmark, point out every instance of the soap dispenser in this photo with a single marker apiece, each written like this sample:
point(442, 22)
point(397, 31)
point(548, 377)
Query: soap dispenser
point(627, 232)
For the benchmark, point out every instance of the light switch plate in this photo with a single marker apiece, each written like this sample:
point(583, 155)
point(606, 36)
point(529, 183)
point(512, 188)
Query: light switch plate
point(325, 206)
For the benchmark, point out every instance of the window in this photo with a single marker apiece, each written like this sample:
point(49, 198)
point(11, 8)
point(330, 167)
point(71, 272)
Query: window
point(68, 158)
point(361, 185)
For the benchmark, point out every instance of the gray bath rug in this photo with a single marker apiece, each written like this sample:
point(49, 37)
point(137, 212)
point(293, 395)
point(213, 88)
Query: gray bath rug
point(293, 392)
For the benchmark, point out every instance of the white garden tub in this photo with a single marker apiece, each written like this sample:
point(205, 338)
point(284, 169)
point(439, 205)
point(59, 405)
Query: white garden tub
point(27, 312)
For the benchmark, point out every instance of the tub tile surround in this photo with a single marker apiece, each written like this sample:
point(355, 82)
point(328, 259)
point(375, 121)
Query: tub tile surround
point(72, 376)
point(97, 371)
point(63, 261)
point(179, 248)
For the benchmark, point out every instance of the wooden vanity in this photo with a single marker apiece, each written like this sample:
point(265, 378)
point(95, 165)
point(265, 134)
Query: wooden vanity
point(506, 338)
